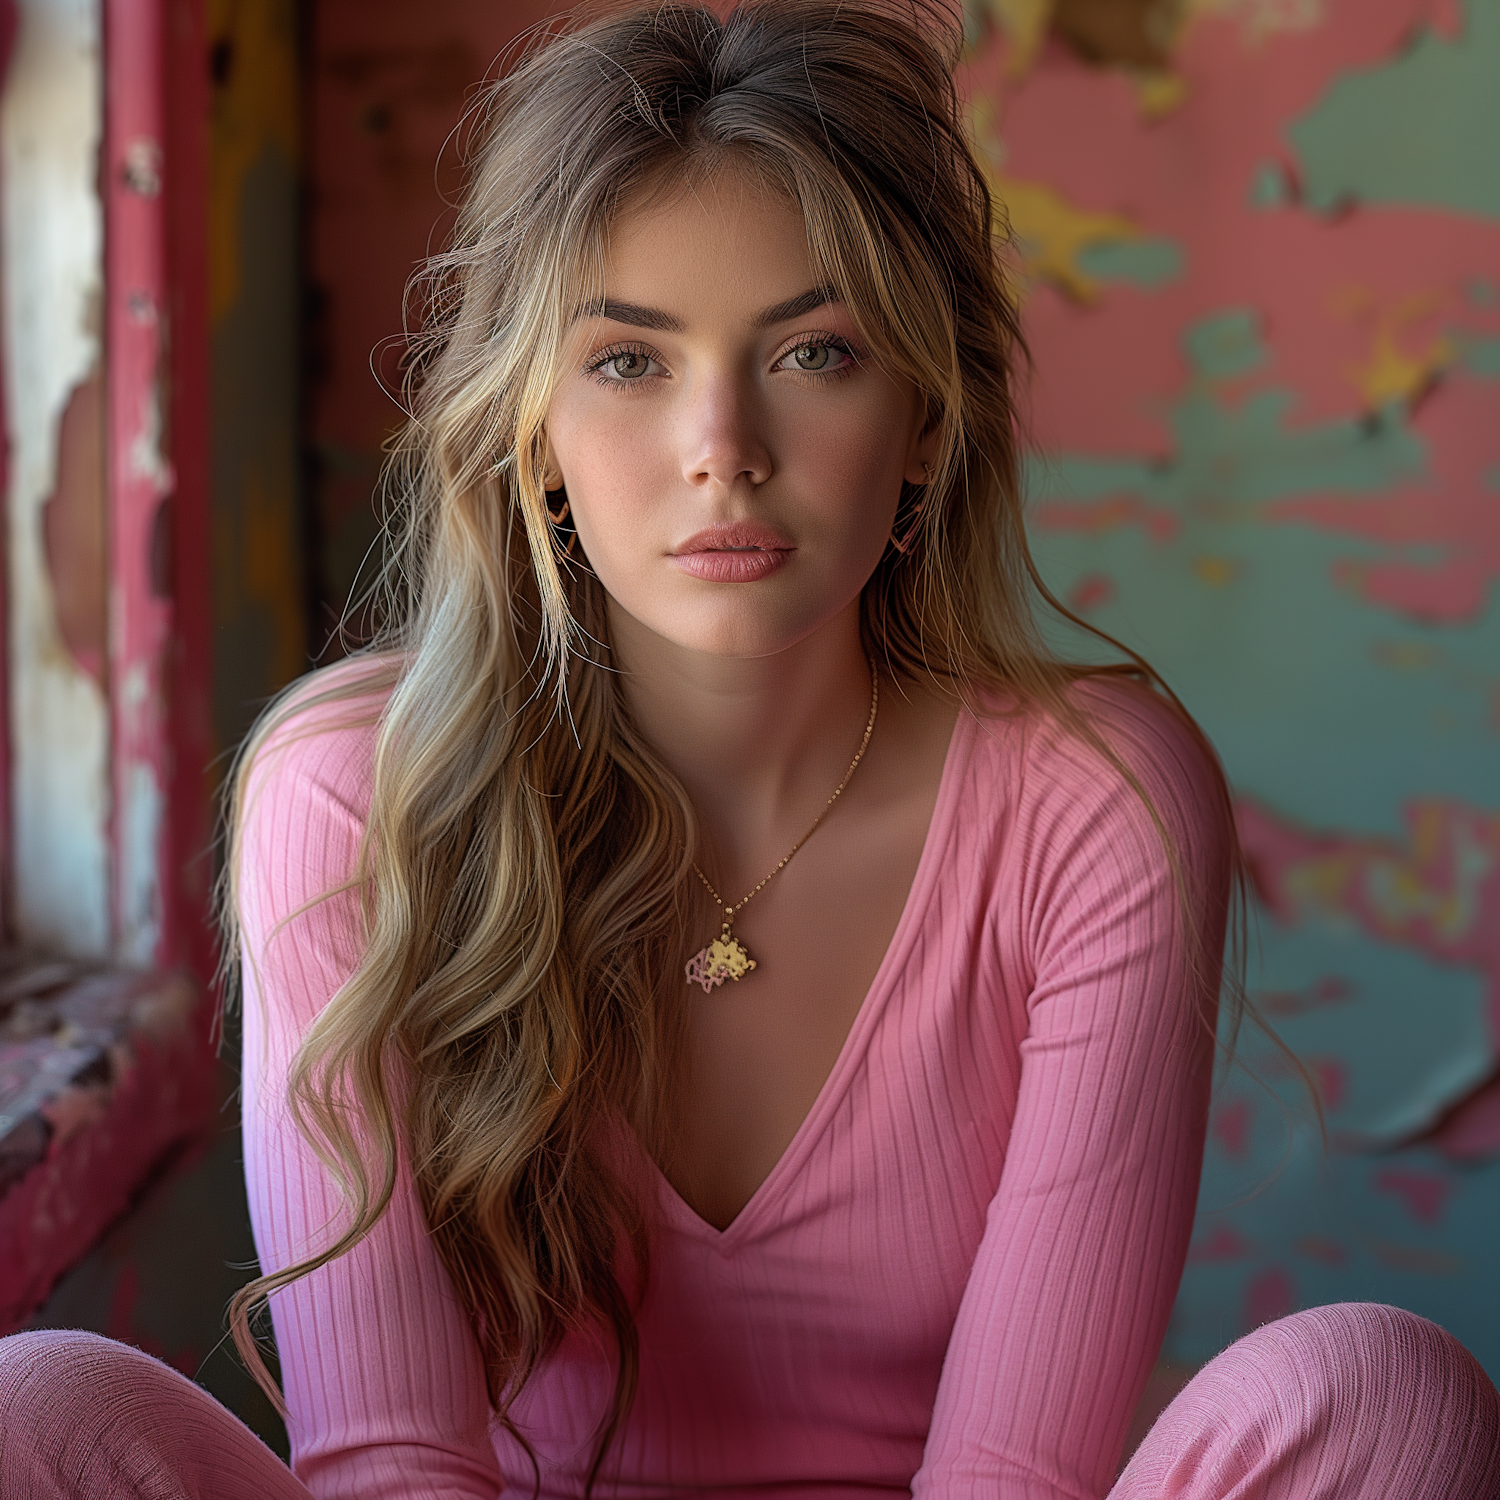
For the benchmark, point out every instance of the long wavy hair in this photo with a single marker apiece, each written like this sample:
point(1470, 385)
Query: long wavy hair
point(525, 870)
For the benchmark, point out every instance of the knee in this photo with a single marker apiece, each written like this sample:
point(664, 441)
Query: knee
point(1371, 1345)
point(47, 1376)
point(79, 1415)
point(32, 1361)
point(1363, 1325)
point(1349, 1400)
point(1390, 1390)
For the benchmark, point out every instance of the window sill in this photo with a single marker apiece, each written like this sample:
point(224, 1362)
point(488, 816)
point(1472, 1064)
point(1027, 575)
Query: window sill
point(105, 1076)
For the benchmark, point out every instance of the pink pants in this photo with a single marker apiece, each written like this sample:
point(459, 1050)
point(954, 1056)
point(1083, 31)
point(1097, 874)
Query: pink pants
point(1350, 1402)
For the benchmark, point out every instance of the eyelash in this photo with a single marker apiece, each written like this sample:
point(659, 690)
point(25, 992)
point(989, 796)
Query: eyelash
point(595, 367)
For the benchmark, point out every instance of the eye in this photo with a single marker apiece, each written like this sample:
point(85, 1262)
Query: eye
point(629, 365)
point(623, 365)
point(818, 357)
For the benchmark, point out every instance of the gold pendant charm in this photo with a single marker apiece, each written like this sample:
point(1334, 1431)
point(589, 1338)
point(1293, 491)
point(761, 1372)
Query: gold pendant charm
point(724, 958)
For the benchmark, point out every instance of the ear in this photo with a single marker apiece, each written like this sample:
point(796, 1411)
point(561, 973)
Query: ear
point(921, 456)
point(552, 478)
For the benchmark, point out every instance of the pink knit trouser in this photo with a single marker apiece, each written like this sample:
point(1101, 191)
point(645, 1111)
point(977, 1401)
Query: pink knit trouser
point(1350, 1402)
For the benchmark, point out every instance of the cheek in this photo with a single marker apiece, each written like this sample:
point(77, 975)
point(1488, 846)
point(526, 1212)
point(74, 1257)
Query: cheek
point(852, 469)
point(612, 465)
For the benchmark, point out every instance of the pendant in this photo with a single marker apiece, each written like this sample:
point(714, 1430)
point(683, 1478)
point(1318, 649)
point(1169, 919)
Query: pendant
point(724, 958)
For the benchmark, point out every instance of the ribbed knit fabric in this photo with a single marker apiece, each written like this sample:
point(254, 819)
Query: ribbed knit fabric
point(1352, 1402)
point(84, 1418)
point(955, 1280)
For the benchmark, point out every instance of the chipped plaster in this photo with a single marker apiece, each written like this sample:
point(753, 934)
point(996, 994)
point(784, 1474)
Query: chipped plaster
point(52, 253)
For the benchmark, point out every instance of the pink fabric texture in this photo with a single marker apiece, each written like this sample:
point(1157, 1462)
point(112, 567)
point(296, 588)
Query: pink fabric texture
point(956, 1279)
point(1350, 1400)
point(1353, 1402)
point(84, 1418)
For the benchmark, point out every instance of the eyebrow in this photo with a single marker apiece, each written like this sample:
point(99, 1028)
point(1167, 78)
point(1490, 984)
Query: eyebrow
point(639, 316)
point(796, 307)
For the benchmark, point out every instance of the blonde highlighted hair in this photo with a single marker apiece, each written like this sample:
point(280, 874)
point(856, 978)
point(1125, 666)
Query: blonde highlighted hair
point(526, 864)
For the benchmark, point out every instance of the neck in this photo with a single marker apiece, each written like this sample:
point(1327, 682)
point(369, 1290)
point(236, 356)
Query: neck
point(759, 743)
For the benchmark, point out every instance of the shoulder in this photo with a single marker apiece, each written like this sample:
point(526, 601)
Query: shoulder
point(1116, 849)
point(305, 781)
point(1125, 777)
point(322, 729)
point(1156, 742)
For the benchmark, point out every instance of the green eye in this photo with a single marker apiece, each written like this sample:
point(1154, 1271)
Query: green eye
point(812, 356)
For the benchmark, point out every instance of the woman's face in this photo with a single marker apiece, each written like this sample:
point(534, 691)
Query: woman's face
point(732, 458)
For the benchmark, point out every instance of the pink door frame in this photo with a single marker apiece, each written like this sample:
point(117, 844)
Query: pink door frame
point(155, 183)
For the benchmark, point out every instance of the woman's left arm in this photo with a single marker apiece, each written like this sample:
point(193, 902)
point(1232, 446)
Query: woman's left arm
point(1069, 1295)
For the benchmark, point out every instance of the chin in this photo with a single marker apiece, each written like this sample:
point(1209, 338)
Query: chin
point(740, 630)
point(735, 643)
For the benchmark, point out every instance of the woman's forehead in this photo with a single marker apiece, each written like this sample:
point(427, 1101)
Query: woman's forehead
point(723, 244)
point(724, 193)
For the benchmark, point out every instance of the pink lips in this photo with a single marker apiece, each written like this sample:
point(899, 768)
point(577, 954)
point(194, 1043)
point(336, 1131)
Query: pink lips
point(739, 552)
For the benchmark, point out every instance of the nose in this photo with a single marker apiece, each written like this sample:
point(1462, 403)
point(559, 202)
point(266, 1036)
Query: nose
point(722, 434)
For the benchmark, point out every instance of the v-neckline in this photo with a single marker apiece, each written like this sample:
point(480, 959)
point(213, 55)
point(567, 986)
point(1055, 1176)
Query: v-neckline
point(786, 1166)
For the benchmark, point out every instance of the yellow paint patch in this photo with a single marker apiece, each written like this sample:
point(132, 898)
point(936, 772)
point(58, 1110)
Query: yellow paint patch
point(1049, 232)
point(1427, 829)
point(255, 108)
point(1321, 882)
point(253, 544)
point(1440, 884)
point(1391, 371)
point(1159, 93)
point(1218, 572)
point(1024, 23)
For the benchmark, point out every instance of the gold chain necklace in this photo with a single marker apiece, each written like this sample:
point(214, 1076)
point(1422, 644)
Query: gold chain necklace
point(726, 957)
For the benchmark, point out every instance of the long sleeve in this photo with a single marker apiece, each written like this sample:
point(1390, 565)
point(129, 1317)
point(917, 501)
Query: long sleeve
point(382, 1376)
point(1084, 1242)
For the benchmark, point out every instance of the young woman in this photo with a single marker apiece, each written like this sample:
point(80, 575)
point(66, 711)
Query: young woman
point(726, 1011)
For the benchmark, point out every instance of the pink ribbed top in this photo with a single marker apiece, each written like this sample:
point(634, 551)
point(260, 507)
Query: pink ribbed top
point(956, 1279)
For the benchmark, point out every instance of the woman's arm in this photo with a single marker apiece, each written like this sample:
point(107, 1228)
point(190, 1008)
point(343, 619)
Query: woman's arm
point(1070, 1293)
point(383, 1381)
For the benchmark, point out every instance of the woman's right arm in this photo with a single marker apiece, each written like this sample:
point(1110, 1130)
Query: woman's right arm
point(383, 1381)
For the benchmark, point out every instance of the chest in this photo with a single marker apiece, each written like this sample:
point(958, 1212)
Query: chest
point(760, 1050)
point(808, 1334)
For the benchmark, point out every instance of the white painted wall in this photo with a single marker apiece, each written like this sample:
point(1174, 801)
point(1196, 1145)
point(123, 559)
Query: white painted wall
point(51, 241)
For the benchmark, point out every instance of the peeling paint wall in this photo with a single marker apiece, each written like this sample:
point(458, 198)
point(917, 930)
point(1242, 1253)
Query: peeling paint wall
point(143, 618)
point(1259, 269)
point(109, 506)
point(52, 253)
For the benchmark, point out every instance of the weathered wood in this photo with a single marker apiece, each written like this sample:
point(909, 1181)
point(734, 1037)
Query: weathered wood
point(102, 1082)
